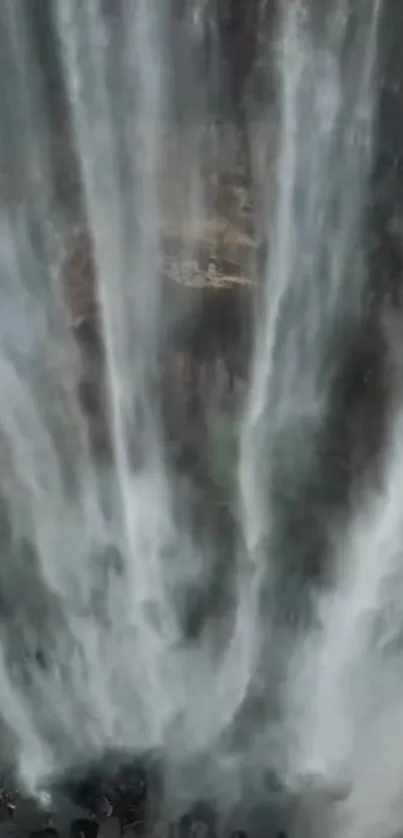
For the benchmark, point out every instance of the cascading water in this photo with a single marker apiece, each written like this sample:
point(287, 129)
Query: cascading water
point(100, 543)
point(95, 565)
point(313, 295)
point(325, 116)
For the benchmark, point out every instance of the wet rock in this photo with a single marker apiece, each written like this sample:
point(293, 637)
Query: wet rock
point(84, 828)
point(8, 829)
point(199, 822)
point(46, 832)
point(79, 274)
point(116, 786)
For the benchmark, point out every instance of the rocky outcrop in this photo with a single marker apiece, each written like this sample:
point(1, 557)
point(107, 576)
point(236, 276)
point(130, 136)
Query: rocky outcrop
point(208, 267)
point(208, 292)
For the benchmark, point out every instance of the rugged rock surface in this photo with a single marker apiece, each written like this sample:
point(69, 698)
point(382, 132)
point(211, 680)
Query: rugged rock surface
point(208, 269)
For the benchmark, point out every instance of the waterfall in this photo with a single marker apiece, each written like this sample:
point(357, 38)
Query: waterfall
point(98, 564)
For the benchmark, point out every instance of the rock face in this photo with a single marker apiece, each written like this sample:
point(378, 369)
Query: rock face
point(208, 266)
point(205, 336)
point(386, 210)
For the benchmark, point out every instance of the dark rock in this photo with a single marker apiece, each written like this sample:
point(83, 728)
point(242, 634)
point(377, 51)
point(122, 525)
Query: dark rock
point(48, 832)
point(84, 828)
point(199, 822)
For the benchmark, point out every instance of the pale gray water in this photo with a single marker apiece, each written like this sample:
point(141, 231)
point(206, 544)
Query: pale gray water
point(95, 565)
